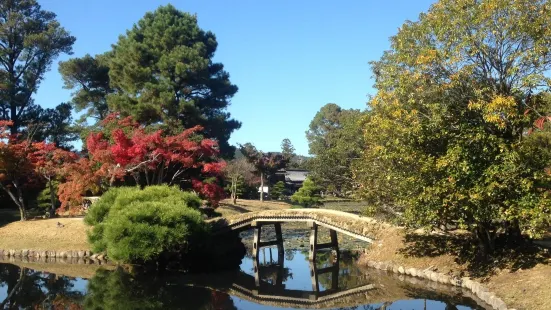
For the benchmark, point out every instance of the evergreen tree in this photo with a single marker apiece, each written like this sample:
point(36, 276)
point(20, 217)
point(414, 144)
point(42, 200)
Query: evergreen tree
point(89, 78)
point(308, 195)
point(278, 190)
point(30, 39)
point(163, 72)
point(335, 141)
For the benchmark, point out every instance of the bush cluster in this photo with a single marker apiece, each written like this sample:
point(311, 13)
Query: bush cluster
point(135, 225)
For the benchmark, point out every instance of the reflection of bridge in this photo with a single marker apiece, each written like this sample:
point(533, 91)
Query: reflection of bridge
point(257, 289)
point(349, 224)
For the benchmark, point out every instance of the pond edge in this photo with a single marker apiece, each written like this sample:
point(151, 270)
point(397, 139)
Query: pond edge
point(475, 287)
point(80, 256)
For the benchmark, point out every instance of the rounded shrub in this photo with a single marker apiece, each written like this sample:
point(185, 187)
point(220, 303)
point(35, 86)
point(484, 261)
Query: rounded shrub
point(136, 226)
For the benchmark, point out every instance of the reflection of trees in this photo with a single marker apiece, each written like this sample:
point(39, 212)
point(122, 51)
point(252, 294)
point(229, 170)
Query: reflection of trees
point(27, 288)
point(289, 254)
point(273, 272)
point(120, 290)
point(350, 276)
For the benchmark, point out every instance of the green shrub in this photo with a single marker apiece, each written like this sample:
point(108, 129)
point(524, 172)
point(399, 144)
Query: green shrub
point(44, 199)
point(278, 190)
point(308, 195)
point(135, 226)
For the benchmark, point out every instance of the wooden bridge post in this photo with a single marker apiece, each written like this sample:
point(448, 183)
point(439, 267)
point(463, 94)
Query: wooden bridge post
point(335, 273)
point(256, 238)
point(313, 240)
point(256, 268)
point(314, 276)
point(279, 239)
point(334, 240)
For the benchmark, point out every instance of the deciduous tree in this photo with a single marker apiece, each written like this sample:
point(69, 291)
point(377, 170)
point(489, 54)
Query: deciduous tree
point(25, 164)
point(124, 148)
point(238, 170)
point(335, 143)
point(48, 161)
point(447, 132)
point(266, 164)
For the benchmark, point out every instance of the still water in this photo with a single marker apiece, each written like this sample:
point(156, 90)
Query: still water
point(286, 281)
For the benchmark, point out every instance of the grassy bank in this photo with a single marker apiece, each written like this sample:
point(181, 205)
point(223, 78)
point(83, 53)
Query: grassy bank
point(45, 235)
point(519, 277)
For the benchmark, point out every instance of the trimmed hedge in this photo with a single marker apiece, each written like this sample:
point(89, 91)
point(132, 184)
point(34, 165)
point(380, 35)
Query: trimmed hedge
point(138, 226)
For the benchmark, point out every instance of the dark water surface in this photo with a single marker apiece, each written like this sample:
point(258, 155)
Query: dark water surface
point(285, 281)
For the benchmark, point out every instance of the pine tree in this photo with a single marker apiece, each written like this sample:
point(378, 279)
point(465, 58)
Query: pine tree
point(308, 195)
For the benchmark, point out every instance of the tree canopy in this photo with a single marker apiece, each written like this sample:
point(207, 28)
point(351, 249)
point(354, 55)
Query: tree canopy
point(447, 135)
point(162, 73)
point(30, 39)
point(335, 142)
point(266, 164)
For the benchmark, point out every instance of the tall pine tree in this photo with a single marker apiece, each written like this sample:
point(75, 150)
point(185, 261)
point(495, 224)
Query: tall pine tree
point(30, 39)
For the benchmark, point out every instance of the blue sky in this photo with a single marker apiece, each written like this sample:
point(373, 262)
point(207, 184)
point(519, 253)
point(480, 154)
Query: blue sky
point(288, 57)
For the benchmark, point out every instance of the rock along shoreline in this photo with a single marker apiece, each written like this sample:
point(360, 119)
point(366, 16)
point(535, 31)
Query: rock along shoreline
point(475, 287)
point(68, 256)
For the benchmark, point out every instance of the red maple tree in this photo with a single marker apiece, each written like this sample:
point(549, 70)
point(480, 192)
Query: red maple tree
point(48, 162)
point(25, 164)
point(124, 149)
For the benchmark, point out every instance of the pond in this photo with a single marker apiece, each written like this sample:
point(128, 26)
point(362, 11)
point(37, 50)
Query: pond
point(274, 281)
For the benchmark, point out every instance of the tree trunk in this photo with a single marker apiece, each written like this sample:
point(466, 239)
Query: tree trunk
point(19, 202)
point(234, 190)
point(486, 239)
point(514, 234)
point(52, 198)
point(261, 186)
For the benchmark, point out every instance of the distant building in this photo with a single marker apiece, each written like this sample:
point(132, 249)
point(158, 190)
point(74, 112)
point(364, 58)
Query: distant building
point(293, 178)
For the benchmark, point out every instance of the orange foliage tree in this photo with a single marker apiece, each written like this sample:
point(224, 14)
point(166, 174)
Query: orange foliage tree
point(25, 164)
point(126, 152)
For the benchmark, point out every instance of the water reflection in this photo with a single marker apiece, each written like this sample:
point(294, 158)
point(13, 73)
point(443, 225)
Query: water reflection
point(25, 288)
point(280, 280)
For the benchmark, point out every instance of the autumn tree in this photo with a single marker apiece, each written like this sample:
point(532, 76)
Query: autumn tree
point(238, 170)
point(48, 160)
point(16, 170)
point(447, 135)
point(335, 143)
point(124, 148)
point(30, 39)
point(25, 164)
point(266, 164)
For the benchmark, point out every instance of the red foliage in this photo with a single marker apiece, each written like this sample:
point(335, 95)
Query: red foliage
point(25, 164)
point(124, 148)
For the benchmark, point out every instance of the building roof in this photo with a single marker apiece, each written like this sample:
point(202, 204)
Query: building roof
point(296, 175)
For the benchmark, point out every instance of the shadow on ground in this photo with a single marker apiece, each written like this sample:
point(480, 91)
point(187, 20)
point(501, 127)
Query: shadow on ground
point(8, 216)
point(236, 208)
point(464, 249)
